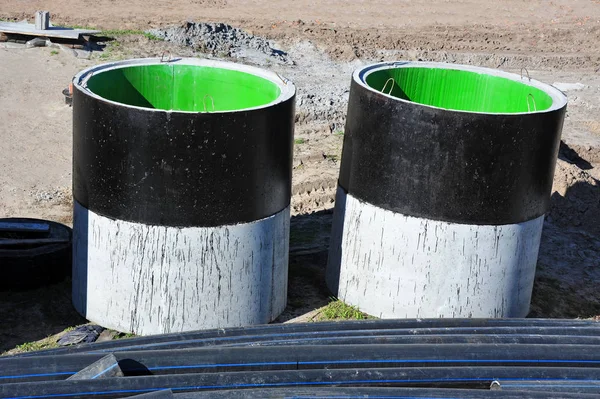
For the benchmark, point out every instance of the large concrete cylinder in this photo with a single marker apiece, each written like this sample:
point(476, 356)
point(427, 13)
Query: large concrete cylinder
point(445, 178)
point(181, 185)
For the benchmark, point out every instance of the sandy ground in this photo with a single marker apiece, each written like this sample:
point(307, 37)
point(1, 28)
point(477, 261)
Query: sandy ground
point(372, 14)
point(557, 41)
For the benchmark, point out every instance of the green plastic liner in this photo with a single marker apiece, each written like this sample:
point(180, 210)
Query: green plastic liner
point(184, 88)
point(459, 90)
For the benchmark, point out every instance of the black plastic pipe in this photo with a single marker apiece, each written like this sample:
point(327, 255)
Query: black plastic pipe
point(35, 368)
point(589, 387)
point(224, 359)
point(407, 327)
point(351, 393)
point(459, 377)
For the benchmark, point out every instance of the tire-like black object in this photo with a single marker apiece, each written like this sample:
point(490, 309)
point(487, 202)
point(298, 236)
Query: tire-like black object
point(31, 267)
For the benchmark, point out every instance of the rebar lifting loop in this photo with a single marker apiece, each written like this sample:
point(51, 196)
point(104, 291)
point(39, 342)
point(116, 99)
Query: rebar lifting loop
point(212, 100)
point(534, 105)
point(162, 58)
point(284, 80)
point(526, 71)
point(391, 88)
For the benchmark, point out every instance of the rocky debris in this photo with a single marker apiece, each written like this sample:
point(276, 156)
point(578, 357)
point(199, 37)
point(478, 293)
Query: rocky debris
point(222, 40)
point(57, 195)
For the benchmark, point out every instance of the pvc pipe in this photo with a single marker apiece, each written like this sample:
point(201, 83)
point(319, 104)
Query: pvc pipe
point(445, 178)
point(181, 181)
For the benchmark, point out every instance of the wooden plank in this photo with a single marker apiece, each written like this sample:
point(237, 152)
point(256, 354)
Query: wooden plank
point(52, 31)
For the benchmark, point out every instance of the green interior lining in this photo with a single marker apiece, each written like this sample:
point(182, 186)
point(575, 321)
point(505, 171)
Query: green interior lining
point(184, 88)
point(459, 90)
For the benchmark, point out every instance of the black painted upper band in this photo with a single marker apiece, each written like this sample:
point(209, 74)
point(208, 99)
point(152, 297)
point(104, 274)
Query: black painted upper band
point(438, 164)
point(178, 168)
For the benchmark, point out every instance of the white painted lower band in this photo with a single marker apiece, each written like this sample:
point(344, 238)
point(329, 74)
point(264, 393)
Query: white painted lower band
point(147, 279)
point(394, 266)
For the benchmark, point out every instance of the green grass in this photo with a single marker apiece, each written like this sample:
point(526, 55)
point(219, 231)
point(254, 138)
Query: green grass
point(78, 27)
point(339, 133)
point(338, 310)
point(153, 37)
point(54, 52)
point(125, 32)
point(332, 157)
point(109, 50)
point(299, 141)
point(37, 345)
point(120, 32)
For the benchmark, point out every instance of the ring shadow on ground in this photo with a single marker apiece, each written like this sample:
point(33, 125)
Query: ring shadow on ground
point(567, 154)
point(309, 243)
point(567, 279)
point(33, 315)
point(567, 282)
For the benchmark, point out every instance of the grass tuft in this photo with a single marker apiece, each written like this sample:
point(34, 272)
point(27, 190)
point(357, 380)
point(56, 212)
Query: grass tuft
point(47, 343)
point(338, 310)
point(125, 32)
point(120, 32)
point(299, 141)
point(83, 27)
point(153, 37)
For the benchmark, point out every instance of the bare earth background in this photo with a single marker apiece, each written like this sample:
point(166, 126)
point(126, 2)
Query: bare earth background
point(557, 41)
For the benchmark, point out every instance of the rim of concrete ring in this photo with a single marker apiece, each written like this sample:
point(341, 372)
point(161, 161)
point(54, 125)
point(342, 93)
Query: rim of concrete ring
point(286, 87)
point(559, 99)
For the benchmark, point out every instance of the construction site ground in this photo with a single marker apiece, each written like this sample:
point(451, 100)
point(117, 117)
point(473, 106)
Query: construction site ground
point(317, 45)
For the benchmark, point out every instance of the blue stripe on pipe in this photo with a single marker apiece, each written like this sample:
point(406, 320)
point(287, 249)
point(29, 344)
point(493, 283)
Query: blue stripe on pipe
point(104, 371)
point(223, 365)
point(372, 362)
point(279, 384)
point(38, 375)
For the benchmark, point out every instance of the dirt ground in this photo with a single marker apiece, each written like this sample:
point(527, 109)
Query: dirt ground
point(557, 41)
